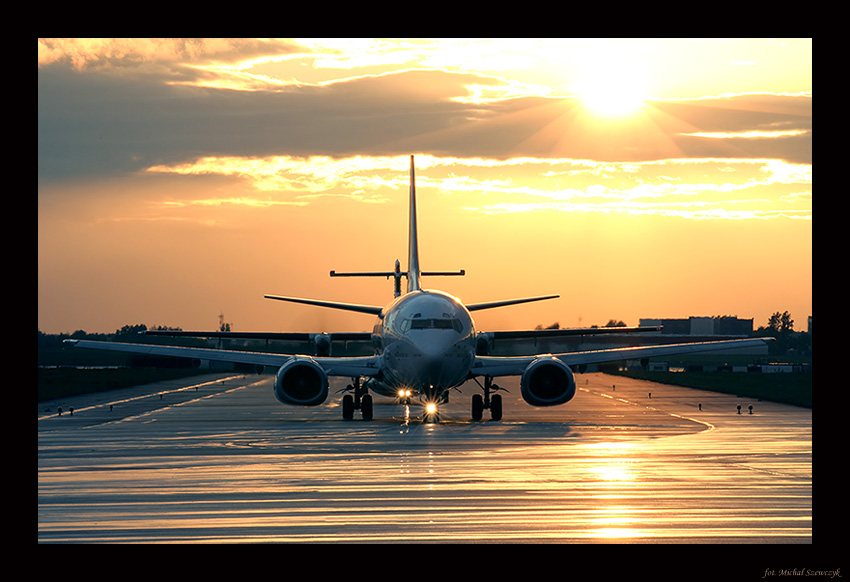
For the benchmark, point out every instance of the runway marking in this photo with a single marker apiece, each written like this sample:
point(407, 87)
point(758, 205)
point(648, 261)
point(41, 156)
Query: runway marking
point(178, 404)
point(708, 425)
point(44, 416)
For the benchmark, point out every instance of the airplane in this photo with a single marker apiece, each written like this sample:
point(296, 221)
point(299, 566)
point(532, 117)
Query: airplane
point(426, 345)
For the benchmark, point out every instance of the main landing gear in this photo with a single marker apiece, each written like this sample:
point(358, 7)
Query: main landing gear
point(361, 400)
point(494, 403)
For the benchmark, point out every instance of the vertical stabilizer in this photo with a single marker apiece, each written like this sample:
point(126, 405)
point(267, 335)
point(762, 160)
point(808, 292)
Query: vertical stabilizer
point(413, 271)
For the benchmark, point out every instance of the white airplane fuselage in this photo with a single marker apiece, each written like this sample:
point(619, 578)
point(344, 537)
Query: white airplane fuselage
point(426, 341)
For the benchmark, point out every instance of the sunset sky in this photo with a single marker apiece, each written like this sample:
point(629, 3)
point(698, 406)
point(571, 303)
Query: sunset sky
point(183, 178)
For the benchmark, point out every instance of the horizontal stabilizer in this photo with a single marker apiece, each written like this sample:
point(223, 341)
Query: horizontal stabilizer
point(331, 304)
point(460, 273)
point(397, 273)
point(492, 304)
point(366, 274)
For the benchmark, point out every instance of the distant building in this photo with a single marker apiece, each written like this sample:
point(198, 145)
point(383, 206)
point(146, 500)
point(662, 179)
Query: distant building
point(733, 326)
point(702, 325)
point(725, 326)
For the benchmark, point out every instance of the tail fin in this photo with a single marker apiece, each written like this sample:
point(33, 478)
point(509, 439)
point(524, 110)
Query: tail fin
point(413, 272)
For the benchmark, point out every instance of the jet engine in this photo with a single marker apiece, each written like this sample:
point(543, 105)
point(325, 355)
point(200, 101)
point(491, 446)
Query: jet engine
point(547, 381)
point(301, 381)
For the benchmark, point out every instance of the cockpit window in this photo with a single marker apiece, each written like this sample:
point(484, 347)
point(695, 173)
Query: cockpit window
point(426, 323)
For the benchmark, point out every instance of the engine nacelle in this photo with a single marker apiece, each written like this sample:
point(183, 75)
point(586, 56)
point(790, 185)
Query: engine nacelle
point(302, 382)
point(547, 381)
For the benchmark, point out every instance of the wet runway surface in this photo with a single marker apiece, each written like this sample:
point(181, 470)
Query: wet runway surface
point(217, 459)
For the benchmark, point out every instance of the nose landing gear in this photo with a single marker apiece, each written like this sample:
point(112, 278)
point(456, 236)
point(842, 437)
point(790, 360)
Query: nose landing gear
point(494, 402)
point(360, 400)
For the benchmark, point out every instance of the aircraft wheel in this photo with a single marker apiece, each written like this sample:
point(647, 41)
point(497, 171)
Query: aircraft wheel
point(366, 407)
point(477, 407)
point(496, 407)
point(348, 407)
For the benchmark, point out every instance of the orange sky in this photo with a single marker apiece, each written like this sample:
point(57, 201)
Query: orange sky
point(203, 174)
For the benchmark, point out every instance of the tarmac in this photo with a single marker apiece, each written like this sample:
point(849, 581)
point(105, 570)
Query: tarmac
point(216, 459)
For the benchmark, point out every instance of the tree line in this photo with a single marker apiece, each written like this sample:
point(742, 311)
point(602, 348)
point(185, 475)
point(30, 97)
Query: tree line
point(780, 326)
point(125, 333)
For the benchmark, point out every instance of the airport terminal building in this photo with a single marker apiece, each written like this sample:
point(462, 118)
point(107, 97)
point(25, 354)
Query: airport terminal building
point(726, 325)
point(692, 329)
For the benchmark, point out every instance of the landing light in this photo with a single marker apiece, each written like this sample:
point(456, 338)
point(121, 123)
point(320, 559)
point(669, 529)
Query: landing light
point(430, 409)
point(404, 393)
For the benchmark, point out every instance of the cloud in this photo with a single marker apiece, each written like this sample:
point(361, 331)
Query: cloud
point(692, 188)
point(122, 54)
point(112, 106)
point(89, 123)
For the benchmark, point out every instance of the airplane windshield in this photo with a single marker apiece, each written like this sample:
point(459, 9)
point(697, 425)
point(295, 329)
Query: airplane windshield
point(426, 323)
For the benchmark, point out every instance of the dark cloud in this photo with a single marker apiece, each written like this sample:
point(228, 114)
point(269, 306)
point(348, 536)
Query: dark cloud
point(90, 123)
point(741, 114)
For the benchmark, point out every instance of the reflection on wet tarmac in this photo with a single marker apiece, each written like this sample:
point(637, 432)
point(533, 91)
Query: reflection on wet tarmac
point(238, 467)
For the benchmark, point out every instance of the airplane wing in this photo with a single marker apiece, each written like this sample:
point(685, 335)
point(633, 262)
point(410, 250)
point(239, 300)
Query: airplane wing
point(486, 339)
point(567, 331)
point(264, 335)
point(352, 366)
point(515, 365)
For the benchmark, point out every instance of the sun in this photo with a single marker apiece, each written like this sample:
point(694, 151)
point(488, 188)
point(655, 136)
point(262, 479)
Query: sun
point(611, 100)
point(612, 88)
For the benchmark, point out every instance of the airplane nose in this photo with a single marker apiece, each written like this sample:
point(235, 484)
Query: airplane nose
point(438, 358)
point(433, 344)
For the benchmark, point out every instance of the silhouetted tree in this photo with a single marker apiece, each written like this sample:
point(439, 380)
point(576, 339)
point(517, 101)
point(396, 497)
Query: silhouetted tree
point(781, 323)
point(781, 327)
point(131, 329)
